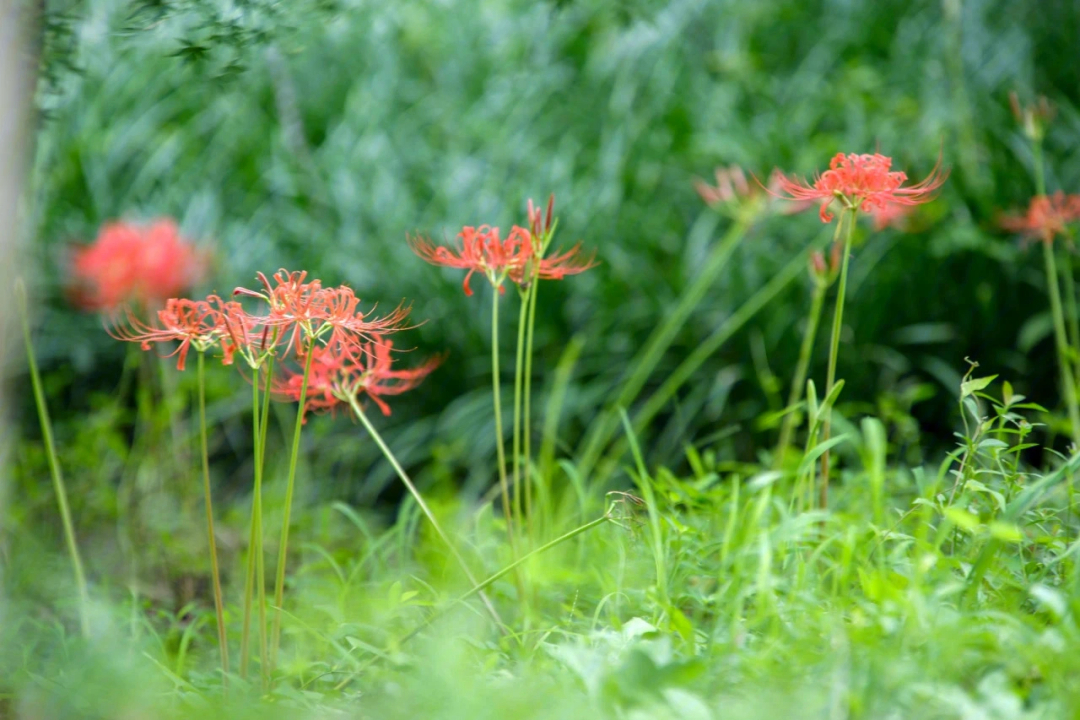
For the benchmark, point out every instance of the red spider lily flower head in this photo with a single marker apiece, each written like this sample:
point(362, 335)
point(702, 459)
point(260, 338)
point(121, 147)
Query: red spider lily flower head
point(555, 267)
point(347, 323)
point(1046, 217)
point(731, 186)
point(860, 181)
point(539, 266)
point(732, 194)
point(295, 305)
point(134, 263)
point(323, 390)
point(245, 334)
point(1034, 118)
point(541, 223)
point(192, 323)
point(480, 250)
point(303, 312)
point(343, 371)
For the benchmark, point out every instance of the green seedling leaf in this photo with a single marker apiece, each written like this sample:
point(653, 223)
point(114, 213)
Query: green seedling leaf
point(975, 384)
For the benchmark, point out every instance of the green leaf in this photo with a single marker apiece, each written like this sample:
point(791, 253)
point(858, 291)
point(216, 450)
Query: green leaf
point(975, 384)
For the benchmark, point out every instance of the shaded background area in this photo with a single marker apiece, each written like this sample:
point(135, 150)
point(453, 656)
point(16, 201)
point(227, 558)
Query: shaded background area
point(317, 134)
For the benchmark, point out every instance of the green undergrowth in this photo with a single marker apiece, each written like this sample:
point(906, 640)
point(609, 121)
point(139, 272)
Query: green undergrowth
point(930, 591)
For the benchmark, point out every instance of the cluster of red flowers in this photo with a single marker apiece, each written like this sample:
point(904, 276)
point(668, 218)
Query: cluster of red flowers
point(519, 257)
point(344, 370)
point(1046, 217)
point(865, 182)
point(133, 263)
point(350, 352)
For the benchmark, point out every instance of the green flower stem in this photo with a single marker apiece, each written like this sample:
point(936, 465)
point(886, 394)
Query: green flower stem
point(527, 464)
point(798, 383)
point(290, 486)
point(255, 577)
point(500, 448)
point(1072, 314)
point(834, 345)
point(1062, 343)
point(54, 466)
point(260, 557)
point(516, 483)
point(358, 411)
point(211, 541)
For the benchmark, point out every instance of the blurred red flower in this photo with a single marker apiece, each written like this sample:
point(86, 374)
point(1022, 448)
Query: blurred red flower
point(860, 181)
point(146, 264)
point(1046, 217)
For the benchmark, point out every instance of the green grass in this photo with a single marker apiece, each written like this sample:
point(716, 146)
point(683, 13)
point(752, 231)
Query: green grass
point(941, 582)
point(708, 597)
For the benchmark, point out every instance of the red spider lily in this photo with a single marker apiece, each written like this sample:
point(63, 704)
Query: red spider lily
point(480, 250)
point(860, 181)
point(1046, 217)
point(731, 186)
point(295, 305)
point(555, 267)
point(342, 371)
point(1034, 118)
point(145, 264)
point(540, 223)
point(346, 322)
point(193, 323)
point(301, 310)
point(245, 334)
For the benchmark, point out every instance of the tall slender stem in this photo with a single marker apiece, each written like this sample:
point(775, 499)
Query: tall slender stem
point(516, 483)
point(1061, 341)
point(527, 412)
point(798, 383)
point(255, 577)
point(834, 346)
point(54, 466)
point(210, 539)
point(359, 412)
point(283, 550)
point(499, 444)
point(1072, 314)
point(257, 499)
point(249, 575)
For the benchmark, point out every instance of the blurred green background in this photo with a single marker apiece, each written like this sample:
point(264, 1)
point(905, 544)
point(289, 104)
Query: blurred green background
point(317, 134)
